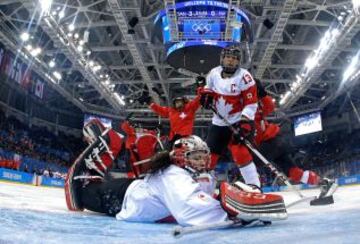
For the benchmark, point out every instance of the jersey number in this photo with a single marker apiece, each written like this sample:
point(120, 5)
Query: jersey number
point(247, 79)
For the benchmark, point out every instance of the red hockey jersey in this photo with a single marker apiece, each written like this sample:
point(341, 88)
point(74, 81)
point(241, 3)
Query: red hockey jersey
point(264, 129)
point(181, 122)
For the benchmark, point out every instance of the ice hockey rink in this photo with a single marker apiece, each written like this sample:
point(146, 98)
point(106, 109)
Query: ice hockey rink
point(31, 214)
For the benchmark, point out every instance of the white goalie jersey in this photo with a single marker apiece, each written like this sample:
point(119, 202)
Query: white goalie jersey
point(172, 192)
point(235, 96)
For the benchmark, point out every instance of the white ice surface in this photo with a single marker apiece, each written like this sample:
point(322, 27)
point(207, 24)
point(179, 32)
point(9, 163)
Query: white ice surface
point(30, 214)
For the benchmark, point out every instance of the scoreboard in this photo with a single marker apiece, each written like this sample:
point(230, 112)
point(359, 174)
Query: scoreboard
point(201, 24)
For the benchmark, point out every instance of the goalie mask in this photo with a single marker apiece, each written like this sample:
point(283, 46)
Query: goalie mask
point(92, 130)
point(226, 59)
point(191, 152)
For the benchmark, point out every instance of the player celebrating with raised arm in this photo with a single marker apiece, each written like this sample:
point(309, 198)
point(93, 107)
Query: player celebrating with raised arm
point(231, 90)
point(181, 115)
point(169, 189)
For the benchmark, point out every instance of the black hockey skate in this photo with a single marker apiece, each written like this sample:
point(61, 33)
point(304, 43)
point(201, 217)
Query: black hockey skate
point(327, 189)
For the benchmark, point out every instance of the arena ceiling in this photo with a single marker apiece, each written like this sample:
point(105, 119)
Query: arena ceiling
point(113, 60)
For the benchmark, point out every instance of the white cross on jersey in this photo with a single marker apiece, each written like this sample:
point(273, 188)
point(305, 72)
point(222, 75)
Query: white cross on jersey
point(182, 115)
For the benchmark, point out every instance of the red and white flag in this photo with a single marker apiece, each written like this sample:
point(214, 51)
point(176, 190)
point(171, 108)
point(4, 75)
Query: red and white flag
point(39, 89)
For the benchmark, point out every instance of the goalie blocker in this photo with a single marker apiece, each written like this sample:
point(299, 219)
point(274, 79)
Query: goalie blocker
point(251, 205)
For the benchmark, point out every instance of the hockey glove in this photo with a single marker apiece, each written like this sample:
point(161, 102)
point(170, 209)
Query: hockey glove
point(246, 130)
point(145, 98)
point(207, 98)
point(200, 81)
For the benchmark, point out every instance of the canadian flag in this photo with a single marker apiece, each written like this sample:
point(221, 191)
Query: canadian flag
point(39, 89)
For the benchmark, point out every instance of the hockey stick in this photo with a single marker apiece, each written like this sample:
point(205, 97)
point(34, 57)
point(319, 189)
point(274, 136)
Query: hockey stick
point(180, 231)
point(273, 169)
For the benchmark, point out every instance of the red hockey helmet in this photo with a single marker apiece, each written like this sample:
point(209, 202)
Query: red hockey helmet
point(192, 152)
point(92, 130)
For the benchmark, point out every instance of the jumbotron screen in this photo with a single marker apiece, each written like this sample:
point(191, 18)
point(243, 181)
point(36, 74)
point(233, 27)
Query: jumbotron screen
point(208, 29)
point(308, 123)
point(198, 20)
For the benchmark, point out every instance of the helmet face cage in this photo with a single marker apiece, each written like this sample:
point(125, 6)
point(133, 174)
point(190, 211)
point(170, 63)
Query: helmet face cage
point(192, 152)
point(230, 51)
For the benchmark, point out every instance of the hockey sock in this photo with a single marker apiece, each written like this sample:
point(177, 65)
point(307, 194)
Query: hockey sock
point(307, 177)
point(250, 174)
point(310, 177)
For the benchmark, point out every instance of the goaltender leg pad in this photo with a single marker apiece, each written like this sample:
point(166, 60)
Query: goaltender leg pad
point(251, 206)
point(91, 164)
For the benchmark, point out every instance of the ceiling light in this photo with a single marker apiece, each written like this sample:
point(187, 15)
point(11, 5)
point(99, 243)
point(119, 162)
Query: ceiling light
point(71, 27)
point(353, 66)
point(45, 5)
point(24, 36)
point(311, 62)
point(28, 47)
point(80, 48)
point(57, 75)
point(61, 14)
point(97, 68)
point(119, 99)
point(81, 42)
point(35, 52)
point(76, 35)
point(52, 64)
point(356, 6)
point(88, 52)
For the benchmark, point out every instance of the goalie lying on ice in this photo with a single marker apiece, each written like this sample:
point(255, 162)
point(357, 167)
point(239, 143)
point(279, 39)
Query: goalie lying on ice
point(177, 184)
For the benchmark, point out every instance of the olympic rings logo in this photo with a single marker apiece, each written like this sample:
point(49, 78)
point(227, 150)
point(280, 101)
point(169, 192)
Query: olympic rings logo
point(201, 27)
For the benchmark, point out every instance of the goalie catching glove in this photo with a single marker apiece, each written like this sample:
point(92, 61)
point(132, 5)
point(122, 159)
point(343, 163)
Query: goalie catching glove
point(251, 205)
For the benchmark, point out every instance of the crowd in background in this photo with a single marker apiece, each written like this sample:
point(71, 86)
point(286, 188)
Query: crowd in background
point(35, 149)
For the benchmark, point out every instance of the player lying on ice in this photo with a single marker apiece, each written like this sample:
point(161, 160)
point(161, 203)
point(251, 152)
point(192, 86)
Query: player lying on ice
point(170, 188)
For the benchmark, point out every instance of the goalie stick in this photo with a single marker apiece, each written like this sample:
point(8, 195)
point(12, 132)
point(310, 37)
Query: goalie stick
point(180, 231)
